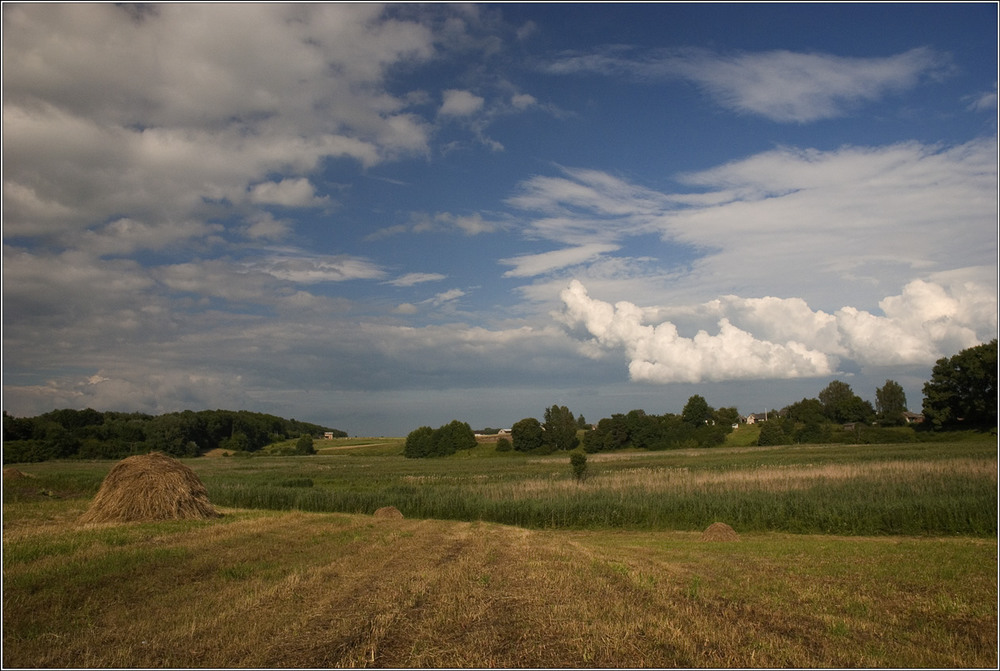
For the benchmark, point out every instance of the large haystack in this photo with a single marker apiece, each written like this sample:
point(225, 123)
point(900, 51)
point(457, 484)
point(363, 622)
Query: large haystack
point(150, 487)
point(720, 531)
point(390, 512)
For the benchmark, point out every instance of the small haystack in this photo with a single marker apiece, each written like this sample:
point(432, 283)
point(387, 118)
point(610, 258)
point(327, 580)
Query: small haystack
point(150, 487)
point(12, 473)
point(391, 512)
point(720, 531)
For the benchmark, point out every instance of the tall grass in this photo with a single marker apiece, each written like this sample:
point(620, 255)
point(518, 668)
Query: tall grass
point(913, 489)
point(843, 490)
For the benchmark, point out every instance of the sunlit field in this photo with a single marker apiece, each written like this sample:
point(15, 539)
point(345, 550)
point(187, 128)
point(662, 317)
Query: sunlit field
point(504, 559)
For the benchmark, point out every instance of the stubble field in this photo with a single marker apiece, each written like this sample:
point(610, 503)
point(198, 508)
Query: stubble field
point(608, 573)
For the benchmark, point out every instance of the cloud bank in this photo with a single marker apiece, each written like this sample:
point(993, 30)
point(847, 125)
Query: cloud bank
point(774, 338)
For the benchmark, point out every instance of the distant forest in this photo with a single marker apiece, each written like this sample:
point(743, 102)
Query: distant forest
point(89, 434)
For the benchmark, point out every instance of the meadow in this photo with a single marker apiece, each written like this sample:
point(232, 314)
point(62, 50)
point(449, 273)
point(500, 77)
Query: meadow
point(849, 555)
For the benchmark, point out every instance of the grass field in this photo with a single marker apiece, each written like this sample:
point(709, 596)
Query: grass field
point(871, 556)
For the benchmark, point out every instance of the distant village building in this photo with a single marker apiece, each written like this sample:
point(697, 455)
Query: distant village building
point(328, 435)
point(913, 417)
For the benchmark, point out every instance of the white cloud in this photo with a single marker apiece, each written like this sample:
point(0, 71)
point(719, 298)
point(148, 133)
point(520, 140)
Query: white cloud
point(313, 269)
point(406, 309)
point(834, 227)
point(441, 222)
point(445, 297)
point(289, 192)
point(772, 338)
point(523, 101)
point(779, 85)
point(174, 116)
point(530, 265)
point(460, 103)
point(984, 102)
point(410, 279)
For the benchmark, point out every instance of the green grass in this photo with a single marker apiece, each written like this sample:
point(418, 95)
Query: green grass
point(945, 488)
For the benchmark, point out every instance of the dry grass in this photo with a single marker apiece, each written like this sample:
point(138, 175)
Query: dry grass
point(292, 590)
point(719, 532)
point(767, 478)
point(149, 487)
point(391, 512)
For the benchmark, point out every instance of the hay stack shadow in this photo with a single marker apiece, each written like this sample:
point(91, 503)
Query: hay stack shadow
point(720, 531)
point(147, 488)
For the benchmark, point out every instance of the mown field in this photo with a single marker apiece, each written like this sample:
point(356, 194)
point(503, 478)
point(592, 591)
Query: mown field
point(871, 556)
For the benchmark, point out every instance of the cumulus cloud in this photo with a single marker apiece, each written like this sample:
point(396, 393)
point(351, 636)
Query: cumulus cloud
point(460, 103)
point(780, 85)
point(774, 338)
point(161, 120)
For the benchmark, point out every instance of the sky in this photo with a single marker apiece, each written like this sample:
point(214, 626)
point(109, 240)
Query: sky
point(378, 217)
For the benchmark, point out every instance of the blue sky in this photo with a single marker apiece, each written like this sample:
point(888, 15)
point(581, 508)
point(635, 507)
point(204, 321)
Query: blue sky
point(380, 217)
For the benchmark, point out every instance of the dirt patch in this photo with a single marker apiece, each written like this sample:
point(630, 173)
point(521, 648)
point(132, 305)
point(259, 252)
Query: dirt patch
point(149, 487)
point(720, 531)
point(391, 512)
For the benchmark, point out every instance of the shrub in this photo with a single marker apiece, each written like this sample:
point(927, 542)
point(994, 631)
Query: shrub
point(503, 445)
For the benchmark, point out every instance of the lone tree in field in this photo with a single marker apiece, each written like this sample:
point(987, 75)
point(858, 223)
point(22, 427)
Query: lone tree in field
point(963, 389)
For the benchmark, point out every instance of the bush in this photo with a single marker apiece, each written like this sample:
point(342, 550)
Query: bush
point(503, 445)
point(578, 461)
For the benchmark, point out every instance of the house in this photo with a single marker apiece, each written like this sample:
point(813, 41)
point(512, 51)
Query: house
point(328, 435)
point(913, 417)
point(757, 417)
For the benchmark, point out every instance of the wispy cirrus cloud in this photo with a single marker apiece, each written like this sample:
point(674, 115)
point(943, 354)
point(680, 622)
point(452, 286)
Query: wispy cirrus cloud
point(847, 223)
point(780, 85)
point(441, 222)
point(411, 279)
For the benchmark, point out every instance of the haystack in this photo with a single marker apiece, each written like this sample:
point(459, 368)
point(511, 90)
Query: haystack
point(150, 487)
point(720, 531)
point(12, 473)
point(390, 512)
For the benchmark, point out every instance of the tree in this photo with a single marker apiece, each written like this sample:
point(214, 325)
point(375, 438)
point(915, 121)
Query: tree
point(890, 403)
point(696, 411)
point(526, 435)
point(841, 405)
point(578, 461)
point(304, 445)
point(963, 388)
point(419, 443)
point(453, 437)
point(771, 433)
point(560, 428)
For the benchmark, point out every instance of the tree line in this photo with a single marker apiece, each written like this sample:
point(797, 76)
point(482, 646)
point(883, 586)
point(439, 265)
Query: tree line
point(962, 393)
point(89, 434)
